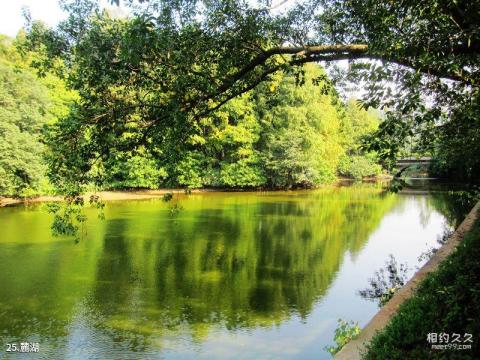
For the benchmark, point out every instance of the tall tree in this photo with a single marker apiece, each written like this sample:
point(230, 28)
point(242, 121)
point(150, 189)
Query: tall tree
point(27, 104)
point(149, 78)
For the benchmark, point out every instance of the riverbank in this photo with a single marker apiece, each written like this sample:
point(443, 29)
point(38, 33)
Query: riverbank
point(442, 298)
point(104, 195)
point(139, 194)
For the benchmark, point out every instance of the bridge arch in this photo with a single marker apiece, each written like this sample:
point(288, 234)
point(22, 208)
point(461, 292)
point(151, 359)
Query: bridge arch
point(402, 164)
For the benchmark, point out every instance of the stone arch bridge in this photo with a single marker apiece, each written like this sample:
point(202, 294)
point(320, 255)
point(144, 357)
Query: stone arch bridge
point(402, 164)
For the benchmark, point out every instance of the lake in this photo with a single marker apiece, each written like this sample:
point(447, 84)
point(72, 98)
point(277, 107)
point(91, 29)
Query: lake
point(250, 275)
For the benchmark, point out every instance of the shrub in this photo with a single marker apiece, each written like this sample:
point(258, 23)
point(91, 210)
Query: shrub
point(358, 167)
point(345, 332)
point(189, 171)
point(241, 174)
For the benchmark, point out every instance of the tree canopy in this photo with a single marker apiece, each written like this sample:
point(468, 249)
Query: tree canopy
point(278, 135)
point(150, 77)
point(27, 105)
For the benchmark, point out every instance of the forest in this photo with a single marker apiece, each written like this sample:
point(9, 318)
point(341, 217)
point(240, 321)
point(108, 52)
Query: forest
point(279, 135)
point(236, 95)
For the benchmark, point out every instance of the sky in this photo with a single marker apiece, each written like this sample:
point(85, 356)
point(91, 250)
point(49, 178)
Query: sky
point(11, 19)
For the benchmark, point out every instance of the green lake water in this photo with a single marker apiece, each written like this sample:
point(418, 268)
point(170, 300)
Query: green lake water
point(252, 275)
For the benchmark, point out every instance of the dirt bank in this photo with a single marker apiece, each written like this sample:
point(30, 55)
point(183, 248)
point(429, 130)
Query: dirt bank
point(104, 195)
point(151, 194)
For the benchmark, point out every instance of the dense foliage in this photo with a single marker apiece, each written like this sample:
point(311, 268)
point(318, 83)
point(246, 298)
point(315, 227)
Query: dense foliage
point(151, 78)
point(26, 105)
point(447, 301)
point(426, 76)
point(156, 85)
point(279, 135)
point(457, 146)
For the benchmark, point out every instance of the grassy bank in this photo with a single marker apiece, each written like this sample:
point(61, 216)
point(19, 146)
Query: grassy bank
point(447, 301)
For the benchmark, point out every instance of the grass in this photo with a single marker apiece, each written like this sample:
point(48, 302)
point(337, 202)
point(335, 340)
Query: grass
point(447, 301)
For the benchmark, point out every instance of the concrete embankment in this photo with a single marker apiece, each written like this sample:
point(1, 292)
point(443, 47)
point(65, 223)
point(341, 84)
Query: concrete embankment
point(354, 349)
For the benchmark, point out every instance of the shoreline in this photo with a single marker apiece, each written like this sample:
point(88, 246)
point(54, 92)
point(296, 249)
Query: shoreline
point(143, 194)
point(355, 349)
point(104, 195)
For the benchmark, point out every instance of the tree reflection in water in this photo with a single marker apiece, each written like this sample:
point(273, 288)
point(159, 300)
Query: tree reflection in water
point(142, 279)
point(386, 282)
